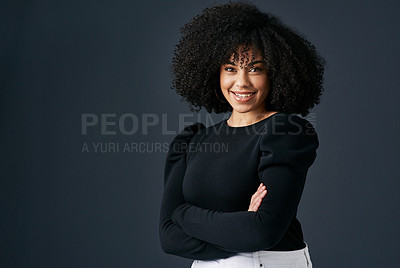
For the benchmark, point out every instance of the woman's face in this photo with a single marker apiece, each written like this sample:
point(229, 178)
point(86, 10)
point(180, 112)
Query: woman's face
point(245, 86)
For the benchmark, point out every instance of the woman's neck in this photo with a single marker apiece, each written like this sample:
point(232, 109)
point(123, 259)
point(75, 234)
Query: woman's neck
point(245, 119)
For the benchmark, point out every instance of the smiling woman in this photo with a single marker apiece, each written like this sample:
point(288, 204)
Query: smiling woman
point(238, 207)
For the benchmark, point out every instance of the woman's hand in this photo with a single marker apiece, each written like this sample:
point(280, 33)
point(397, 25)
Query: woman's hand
point(257, 198)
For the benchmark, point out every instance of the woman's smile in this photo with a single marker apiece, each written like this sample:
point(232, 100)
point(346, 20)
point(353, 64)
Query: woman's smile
point(243, 96)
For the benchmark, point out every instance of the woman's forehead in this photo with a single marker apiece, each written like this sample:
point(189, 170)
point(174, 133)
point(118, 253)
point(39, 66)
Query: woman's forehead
point(248, 51)
point(244, 56)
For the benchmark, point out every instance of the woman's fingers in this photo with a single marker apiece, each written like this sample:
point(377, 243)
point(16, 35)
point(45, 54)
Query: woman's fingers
point(261, 195)
point(260, 190)
point(257, 197)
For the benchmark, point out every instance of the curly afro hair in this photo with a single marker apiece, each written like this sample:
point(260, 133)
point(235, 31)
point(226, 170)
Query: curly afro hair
point(295, 69)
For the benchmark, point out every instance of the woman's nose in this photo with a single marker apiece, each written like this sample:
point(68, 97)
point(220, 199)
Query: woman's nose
point(242, 79)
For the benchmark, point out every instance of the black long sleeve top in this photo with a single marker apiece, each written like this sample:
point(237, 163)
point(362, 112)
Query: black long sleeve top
point(211, 174)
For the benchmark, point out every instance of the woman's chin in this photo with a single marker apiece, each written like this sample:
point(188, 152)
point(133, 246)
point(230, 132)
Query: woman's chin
point(241, 108)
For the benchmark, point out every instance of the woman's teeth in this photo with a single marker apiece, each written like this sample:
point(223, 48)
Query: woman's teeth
point(243, 95)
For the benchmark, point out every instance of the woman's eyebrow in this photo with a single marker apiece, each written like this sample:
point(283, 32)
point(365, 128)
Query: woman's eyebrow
point(255, 62)
point(230, 63)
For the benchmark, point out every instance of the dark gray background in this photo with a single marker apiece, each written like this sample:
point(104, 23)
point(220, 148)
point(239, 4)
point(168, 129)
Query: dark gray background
point(61, 59)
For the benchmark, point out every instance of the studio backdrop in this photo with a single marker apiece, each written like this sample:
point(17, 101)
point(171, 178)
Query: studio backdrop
point(87, 114)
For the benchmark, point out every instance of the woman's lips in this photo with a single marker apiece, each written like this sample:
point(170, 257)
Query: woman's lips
point(243, 96)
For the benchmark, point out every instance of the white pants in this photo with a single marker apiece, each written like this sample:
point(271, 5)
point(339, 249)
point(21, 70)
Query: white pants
point(261, 259)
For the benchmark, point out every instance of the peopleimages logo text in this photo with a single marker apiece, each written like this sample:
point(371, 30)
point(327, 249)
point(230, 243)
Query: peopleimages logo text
point(104, 133)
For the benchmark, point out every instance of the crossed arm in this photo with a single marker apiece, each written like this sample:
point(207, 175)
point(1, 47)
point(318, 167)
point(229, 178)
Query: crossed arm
point(283, 167)
point(193, 232)
point(174, 240)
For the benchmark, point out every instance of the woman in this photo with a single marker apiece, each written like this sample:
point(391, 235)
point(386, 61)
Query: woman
point(237, 208)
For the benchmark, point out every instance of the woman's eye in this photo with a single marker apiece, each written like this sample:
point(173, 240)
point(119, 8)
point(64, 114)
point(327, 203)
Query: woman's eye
point(256, 69)
point(229, 69)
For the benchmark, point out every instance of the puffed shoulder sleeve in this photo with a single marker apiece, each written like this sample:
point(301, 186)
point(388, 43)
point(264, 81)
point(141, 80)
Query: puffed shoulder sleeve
point(173, 239)
point(177, 149)
point(288, 145)
point(290, 140)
